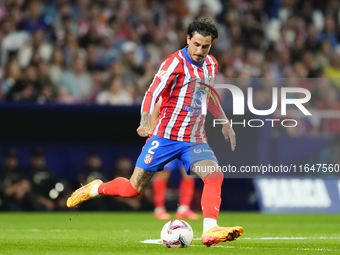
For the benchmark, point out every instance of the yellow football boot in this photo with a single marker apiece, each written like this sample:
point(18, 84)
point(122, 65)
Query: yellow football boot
point(81, 195)
point(221, 234)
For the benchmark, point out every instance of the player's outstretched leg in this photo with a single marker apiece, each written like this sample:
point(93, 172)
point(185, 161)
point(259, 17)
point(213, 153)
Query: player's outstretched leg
point(186, 193)
point(118, 187)
point(210, 202)
point(159, 190)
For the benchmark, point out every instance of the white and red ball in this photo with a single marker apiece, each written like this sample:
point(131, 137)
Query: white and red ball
point(177, 234)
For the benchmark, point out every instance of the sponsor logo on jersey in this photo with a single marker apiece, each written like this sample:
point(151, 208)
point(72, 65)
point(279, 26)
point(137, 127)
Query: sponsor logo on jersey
point(192, 109)
point(148, 158)
point(197, 150)
point(206, 150)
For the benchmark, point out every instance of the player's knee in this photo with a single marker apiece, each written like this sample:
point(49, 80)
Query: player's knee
point(215, 177)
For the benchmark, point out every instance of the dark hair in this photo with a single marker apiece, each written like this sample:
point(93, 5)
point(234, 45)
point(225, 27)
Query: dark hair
point(203, 26)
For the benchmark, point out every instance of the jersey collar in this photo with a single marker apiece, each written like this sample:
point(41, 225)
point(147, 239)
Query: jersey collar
point(186, 55)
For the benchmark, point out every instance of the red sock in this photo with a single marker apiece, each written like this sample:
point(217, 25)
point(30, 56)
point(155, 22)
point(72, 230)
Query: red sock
point(186, 191)
point(118, 187)
point(211, 195)
point(159, 190)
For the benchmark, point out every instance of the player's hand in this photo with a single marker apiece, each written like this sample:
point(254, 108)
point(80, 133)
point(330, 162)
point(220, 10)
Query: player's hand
point(229, 135)
point(144, 131)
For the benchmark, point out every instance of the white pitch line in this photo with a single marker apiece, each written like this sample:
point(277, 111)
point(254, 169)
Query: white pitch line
point(159, 241)
point(291, 238)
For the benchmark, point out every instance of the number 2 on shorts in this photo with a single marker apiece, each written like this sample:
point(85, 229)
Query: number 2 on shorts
point(155, 145)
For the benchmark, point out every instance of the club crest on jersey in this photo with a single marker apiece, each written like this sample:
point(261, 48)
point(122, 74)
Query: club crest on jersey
point(161, 73)
point(148, 158)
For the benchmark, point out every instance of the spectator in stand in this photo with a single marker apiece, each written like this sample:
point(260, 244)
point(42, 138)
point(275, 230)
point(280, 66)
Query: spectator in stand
point(49, 90)
point(71, 50)
point(15, 189)
point(75, 86)
point(109, 49)
point(115, 94)
point(310, 65)
point(329, 32)
point(64, 26)
point(142, 83)
point(39, 45)
point(311, 42)
point(12, 76)
point(28, 89)
point(56, 66)
point(333, 70)
point(34, 19)
point(93, 65)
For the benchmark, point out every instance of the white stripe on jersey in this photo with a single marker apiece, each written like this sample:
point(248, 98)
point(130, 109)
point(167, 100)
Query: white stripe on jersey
point(180, 102)
point(212, 66)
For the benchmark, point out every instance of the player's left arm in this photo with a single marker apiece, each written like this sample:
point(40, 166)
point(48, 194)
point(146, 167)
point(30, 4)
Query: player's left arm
point(215, 108)
point(228, 131)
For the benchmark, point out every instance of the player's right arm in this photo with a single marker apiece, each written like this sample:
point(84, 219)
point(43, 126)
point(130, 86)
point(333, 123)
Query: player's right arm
point(166, 73)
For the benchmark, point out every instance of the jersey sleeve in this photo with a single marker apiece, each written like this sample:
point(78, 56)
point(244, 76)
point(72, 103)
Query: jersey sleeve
point(214, 106)
point(168, 70)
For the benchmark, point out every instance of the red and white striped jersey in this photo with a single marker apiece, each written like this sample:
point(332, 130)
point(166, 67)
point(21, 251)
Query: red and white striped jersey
point(175, 121)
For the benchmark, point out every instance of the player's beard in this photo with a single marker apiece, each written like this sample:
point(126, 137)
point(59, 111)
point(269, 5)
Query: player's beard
point(198, 59)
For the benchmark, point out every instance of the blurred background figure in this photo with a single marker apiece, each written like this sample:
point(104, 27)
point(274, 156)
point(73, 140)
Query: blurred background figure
point(49, 190)
point(15, 189)
point(115, 94)
point(75, 86)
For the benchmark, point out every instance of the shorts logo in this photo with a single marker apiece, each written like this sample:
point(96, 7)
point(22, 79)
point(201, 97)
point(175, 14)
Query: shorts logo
point(148, 158)
point(161, 73)
point(197, 150)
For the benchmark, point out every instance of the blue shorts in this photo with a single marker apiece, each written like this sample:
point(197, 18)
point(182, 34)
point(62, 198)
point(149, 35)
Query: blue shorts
point(159, 151)
point(173, 165)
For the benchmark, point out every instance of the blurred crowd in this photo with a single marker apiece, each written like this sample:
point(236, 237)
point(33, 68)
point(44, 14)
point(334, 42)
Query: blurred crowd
point(108, 51)
point(35, 188)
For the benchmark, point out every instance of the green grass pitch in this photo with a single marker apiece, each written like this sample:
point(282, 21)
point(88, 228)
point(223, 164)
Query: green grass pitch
point(121, 233)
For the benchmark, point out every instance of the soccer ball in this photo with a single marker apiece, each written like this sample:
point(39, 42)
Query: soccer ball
point(177, 234)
